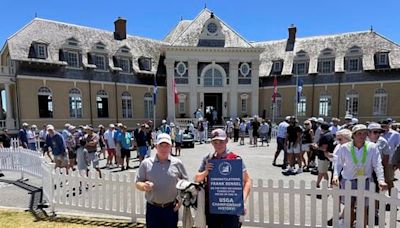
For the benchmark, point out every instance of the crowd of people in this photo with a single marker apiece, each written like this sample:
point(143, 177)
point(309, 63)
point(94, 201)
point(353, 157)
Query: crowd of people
point(368, 150)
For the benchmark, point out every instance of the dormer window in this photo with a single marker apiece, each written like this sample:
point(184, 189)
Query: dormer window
point(38, 50)
point(326, 62)
point(383, 59)
point(353, 60)
point(212, 28)
point(100, 62)
point(301, 63)
point(125, 65)
point(277, 67)
point(72, 58)
point(125, 50)
point(144, 63)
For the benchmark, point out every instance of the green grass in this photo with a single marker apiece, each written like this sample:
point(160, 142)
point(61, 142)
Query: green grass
point(12, 219)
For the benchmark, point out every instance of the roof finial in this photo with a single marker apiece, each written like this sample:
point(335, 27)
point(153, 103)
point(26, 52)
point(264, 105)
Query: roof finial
point(371, 29)
point(205, 5)
point(181, 18)
point(35, 14)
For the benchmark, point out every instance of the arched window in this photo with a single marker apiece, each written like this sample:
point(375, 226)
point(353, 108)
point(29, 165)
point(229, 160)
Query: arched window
point(380, 102)
point(352, 102)
point(126, 105)
point(102, 104)
point(325, 104)
point(45, 101)
point(75, 103)
point(213, 77)
point(148, 105)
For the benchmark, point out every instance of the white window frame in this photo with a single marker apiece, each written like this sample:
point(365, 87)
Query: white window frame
point(148, 105)
point(349, 66)
point(244, 103)
point(75, 103)
point(296, 68)
point(126, 105)
point(324, 66)
point(301, 106)
point(277, 66)
point(182, 103)
point(213, 78)
point(45, 91)
point(243, 72)
point(352, 102)
point(178, 65)
point(99, 97)
point(325, 105)
point(43, 48)
point(100, 63)
point(128, 65)
point(380, 102)
point(385, 59)
point(69, 59)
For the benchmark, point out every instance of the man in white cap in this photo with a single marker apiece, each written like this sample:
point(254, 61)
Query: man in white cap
point(22, 135)
point(164, 128)
point(158, 176)
point(110, 144)
point(219, 141)
point(393, 139)
point(358, 159)
point(31, 134)
point(55, 141)
point(347, 121)
point(280, 140)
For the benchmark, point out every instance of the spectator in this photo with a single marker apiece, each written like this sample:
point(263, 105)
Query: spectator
point(55, 141)
point(158, 176)
point(92, 141)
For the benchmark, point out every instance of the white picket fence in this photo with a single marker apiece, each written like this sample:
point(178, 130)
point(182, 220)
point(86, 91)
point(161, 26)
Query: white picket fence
point(271, 203)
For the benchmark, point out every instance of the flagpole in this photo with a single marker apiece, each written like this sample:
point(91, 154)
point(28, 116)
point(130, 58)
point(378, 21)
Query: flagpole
point(154, 102)
point(297, 94)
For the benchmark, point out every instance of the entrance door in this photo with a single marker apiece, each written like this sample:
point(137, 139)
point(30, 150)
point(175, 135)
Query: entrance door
point(213, 107)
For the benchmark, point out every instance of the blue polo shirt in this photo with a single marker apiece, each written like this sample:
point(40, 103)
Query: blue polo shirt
point(56, 142)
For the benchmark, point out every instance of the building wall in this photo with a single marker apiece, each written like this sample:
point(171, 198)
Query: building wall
point(29, 111)
point(365, 91)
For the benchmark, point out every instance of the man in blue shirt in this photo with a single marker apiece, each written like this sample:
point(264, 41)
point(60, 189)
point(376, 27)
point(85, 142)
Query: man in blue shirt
point(23, 136)
point(125, 140)
point(55, 141)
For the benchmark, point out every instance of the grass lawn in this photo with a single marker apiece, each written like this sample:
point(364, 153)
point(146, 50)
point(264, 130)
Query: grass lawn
point(12, 218)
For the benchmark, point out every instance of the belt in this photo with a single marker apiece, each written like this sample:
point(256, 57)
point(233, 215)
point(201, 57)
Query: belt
point(162, 205)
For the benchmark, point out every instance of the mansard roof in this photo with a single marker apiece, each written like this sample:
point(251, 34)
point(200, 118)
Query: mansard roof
point(56, 34)
point(370, 43)
point(187, 33)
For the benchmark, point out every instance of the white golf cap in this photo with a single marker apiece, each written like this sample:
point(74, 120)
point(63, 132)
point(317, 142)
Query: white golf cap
point(50, 127)
point(164, 138)
point(218, 134)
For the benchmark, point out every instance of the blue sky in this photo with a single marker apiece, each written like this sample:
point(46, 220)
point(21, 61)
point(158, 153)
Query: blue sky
point(255, 20)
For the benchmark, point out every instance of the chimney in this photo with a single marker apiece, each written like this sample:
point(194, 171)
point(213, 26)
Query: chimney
point(292, 33)
point(292, 38)
point(120, 29)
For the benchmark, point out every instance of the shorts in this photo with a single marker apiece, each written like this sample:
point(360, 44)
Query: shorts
point(93, 158)
point(263, 135)
point(62, 158)
point(294, 148)
point(142, 150)
point(118, 151)
point(323, 166)
point(125, 153)
point(281, 143)
point(71, 154)
point(111, 152)
point(389, 172)
point(242, 134)
point(305, 147)
point(178, 144)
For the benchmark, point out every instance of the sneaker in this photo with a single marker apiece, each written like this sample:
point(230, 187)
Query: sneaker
point(300, 170)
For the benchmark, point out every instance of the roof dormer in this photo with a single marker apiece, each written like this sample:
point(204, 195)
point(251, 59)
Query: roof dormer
point(211, 34)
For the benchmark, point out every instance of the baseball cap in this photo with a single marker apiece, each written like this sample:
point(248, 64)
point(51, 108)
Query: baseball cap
point(50, 127)
point(164, 138)
point(348, 117)
point(287, 118)
point(359, 127)
point(374, 126)
point(25, 124)
point(88, 127)
point(354, 121)
point(111, 126)
point(218, 134)
point(71, 128)
point(320, 120)
point(163, 121)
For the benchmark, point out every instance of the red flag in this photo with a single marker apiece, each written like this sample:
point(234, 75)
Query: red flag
point(176, 94)
point(275, 94)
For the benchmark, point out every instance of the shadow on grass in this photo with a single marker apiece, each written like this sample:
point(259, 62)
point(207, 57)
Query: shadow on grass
point(41, 215)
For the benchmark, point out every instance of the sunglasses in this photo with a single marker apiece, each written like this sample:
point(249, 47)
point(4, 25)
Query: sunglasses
point(306, 124)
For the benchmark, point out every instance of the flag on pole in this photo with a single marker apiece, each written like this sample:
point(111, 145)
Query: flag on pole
point(176, 94)
point(299, 90)
point(275, 94)
point(155, 91)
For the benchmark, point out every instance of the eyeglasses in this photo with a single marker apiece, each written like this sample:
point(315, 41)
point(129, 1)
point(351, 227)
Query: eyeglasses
point(375, 132)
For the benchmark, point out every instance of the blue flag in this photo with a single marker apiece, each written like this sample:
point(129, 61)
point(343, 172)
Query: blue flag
point(155, 91)
point(299, 90)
